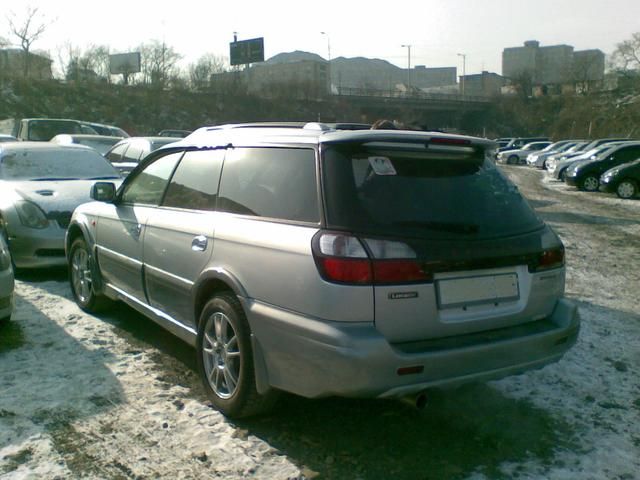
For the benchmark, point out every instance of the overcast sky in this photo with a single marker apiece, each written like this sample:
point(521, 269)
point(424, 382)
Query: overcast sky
point(437, 30)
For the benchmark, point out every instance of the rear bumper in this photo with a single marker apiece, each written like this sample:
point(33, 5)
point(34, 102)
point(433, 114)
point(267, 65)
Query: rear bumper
point(314, 358)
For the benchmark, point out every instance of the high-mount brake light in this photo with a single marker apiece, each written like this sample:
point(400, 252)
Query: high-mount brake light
point(342, 258)
point(450, 141)
point(549, 259)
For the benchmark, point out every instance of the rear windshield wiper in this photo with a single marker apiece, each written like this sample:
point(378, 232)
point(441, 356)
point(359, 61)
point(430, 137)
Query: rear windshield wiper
point(463, 228)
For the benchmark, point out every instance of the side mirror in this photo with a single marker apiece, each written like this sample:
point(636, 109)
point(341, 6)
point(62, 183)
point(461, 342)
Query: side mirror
point(103, 191)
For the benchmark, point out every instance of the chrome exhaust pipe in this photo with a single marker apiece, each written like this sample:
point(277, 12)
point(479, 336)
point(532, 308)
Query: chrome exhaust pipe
point(418, 401)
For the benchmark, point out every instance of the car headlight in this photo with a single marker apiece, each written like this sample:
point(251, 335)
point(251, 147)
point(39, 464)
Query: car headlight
point(31, 215)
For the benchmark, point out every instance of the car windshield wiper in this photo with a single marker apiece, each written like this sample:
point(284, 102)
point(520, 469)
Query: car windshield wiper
point(104, 177)
point(51, 179)
point(463, 228)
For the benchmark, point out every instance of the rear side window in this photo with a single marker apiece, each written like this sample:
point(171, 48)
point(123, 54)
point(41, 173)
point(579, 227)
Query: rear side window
point(411, 194)
point(270, 182)
point(194, 184)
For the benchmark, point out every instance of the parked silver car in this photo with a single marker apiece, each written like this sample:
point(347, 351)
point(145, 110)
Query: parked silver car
point(373, 263)
point(539, 159)
point(41, 183)
point(519, 156)
point(6, 282)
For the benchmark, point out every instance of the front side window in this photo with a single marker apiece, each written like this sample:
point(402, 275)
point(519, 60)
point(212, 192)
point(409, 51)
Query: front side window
point(270, 182)
point(194, 184)
point(149, 184)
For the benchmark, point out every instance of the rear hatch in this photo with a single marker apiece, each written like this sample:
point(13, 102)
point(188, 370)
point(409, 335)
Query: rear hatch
point(452, 246)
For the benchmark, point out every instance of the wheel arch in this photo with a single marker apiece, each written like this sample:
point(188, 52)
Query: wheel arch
point(218, 280)
point(210, 283)
point(79, 230)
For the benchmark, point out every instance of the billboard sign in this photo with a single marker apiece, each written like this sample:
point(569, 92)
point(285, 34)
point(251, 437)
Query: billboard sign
point(124, 63)
point(246, 51)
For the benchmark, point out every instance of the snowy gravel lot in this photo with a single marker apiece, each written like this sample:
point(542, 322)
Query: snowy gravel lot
point(115, 396)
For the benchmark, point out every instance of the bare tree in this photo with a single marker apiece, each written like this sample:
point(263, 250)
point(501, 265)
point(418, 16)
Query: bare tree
point(27, 31)
point(68, 55)
point(158, 63)
point(200, 72)
point(626, 56)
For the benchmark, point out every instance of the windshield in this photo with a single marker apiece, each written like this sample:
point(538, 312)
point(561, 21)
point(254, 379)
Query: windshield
point(45, 130)
point(54, 164)
point(405, 194)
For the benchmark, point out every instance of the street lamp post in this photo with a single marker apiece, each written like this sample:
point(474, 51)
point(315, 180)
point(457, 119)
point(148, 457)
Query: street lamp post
point(408, 47)
point(328, 44)
point(328, 59)
point(464, 69)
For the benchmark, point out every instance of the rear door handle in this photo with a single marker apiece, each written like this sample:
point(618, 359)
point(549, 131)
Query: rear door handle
point(199, 243)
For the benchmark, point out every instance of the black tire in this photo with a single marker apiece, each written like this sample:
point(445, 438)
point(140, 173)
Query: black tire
point(590, 183)
point(562, 176)
point(513, 160)
point(81, 275)
point(225, 359)
point(627, 188)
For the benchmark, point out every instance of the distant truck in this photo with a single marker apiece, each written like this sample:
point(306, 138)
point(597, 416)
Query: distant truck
point(41, 129)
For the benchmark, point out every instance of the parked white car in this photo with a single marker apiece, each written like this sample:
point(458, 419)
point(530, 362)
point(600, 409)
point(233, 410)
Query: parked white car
point(519, 156)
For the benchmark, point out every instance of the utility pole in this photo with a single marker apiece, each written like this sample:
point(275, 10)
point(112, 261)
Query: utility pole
point(408, 47)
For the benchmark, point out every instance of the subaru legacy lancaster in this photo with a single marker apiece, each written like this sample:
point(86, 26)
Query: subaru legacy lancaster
point(371, 263)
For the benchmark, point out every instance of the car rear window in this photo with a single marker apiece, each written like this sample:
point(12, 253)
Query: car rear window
point(414, 194)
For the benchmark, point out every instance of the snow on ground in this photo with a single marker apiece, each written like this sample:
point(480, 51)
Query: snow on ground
point(116, 397)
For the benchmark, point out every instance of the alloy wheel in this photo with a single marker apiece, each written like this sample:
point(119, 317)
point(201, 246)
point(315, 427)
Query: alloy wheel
point(81, 274)
point(221, 355)
point(626, 189)
point(590, 184)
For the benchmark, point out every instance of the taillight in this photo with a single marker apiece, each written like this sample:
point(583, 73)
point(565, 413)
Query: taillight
point(549, 259)
point(343, 258)
point(399, 271)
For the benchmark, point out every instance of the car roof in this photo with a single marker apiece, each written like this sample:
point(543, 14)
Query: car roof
point(88, 136)
point(308, 134)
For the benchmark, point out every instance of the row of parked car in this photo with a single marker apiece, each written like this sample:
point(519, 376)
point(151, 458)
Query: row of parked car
point(47, 169)
point(305, 258)
point(607, 164)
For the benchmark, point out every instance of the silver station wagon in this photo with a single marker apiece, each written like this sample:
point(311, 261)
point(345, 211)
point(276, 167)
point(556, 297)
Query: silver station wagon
point(373, 263)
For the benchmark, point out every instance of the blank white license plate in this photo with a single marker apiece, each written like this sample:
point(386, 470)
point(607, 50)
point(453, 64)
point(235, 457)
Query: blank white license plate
point(468, 291)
